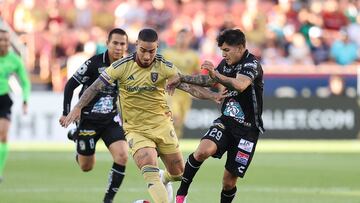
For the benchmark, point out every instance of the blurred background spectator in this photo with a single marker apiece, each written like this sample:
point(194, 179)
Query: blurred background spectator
point(291, 33)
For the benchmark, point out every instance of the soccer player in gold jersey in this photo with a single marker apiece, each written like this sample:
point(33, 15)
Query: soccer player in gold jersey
point(146, 116)
point(188, 62)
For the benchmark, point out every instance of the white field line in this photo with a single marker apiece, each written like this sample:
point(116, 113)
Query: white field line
point(343, 191)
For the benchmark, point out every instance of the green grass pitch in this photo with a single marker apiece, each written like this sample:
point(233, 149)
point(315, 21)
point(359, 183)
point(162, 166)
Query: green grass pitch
point(281, 172)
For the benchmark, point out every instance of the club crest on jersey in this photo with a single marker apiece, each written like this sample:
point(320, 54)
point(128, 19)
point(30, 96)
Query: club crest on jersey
point(154, 77)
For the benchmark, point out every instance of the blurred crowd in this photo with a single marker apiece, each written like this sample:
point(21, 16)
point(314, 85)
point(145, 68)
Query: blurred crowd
point(60, 34)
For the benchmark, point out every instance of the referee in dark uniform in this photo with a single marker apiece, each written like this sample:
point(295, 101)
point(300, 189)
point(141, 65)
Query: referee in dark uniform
point(100, 118)
point(237, 130)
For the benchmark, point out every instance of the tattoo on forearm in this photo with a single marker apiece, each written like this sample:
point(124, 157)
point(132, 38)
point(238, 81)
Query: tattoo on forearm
point(196, 91)
point(90, 93)
point(202, 80)
point(227, 84)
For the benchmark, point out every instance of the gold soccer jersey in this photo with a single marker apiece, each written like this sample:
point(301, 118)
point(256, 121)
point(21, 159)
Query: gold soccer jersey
point(142, 91)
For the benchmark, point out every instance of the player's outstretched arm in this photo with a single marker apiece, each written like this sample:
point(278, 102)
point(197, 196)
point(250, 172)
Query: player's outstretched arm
point(240, 83)
point(202, 93)
point(85, 98)
point(70, 86)
point(200, 80)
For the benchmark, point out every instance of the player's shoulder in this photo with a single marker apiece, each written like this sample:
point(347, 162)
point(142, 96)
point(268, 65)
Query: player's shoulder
point(13, 56)
point(250, 60)
point(125, 60)
point(160, 59)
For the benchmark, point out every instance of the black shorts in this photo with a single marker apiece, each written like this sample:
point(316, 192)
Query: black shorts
point(239, 142)
point(90, 131)
point(5, 106)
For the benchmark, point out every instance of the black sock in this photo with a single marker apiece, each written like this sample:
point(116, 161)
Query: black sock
point(228, 195)
point(116, 176)
point(191, 167)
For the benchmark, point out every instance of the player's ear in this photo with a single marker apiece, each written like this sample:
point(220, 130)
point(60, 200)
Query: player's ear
point(241, 48)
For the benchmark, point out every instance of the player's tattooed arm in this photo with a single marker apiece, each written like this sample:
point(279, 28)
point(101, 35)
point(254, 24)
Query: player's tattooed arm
point(90, 93)
point(202, 93)
point(240, 83)
point(201, 80)
point(87, 96)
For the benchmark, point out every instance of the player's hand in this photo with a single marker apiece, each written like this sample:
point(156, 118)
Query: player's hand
point(218, 97)
point(73, 116)
point(172, 83)
point(209, 66)
point(62, 121)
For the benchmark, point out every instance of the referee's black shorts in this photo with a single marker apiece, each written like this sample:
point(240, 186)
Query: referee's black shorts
point(5, 106)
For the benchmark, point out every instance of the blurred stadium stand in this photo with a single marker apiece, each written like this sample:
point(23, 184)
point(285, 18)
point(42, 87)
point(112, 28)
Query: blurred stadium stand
point(308, 48)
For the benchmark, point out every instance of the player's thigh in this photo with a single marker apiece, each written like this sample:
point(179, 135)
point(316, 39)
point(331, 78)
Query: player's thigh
point(119, 151)
point(138, 140)
point(241, 151)
point(215, 141)
point(87, 135)
point(86, 162)
point(205, 149)
point(114, 139)
point(145, 156)
point(4, 129)
point(165, 138)
point(174, 163)
point(5, 116)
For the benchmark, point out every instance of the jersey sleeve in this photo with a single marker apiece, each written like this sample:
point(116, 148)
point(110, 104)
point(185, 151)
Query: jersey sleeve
point(83, 73)
point(24, 79)
point(70, 86)
point(112, 73)
point(250, 69)
point(220, 67)
point(170, 72)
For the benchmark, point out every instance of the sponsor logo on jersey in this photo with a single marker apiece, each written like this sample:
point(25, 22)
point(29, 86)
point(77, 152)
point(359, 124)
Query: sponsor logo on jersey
point(219, 124)
point(154, 77)
point(241, 169)
point(140, 89)
point(131, 77)
point(246, 145)
point(252, 65)
point(87, 132)
point(242, 158)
